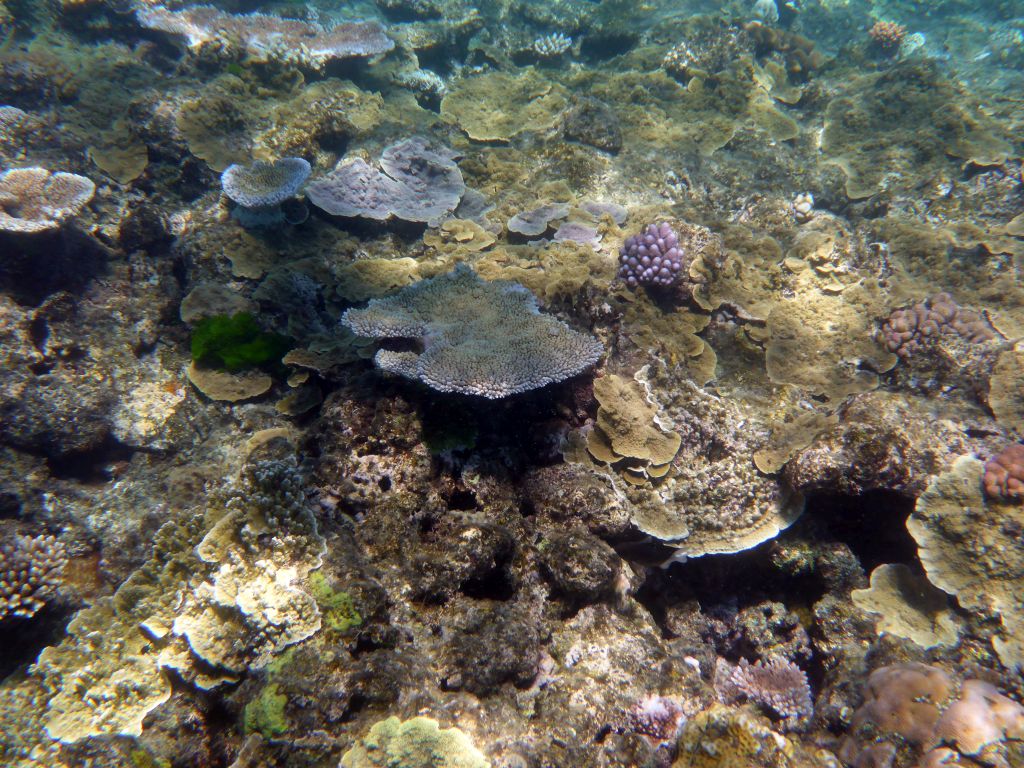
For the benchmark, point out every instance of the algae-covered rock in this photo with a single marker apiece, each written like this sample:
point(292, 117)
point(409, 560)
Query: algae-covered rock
point(416, 743)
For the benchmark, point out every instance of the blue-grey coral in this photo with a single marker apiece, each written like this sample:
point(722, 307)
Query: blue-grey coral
point(261, 188)
point(419, 182)
point(479, 338)
point(33, 199)
point(30, 569)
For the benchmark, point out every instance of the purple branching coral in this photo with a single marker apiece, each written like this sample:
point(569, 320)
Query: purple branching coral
point(652, 257)
point(779, 685)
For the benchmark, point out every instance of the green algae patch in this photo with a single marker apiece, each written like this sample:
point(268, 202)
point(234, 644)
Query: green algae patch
point(337, 607)
point(265, 714)
point(236, 342)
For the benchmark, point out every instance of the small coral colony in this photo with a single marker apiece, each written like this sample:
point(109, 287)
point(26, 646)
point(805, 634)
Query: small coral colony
point(515, 384)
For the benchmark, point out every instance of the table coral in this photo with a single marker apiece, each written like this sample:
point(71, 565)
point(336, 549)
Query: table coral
point(261, 188)
point(480, 338)
point(908, 606)
point(34, 199)
point(417, 182)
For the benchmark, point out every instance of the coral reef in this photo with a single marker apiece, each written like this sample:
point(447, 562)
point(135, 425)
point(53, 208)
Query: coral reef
point(480, 338)
point(919, 706)
point(416, 743)
point(907, 330)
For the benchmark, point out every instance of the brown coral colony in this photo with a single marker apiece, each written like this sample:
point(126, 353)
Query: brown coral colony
point(887, 34)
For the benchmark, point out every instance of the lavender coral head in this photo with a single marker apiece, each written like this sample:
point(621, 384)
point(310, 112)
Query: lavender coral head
point(652, 257)
point(261, 188)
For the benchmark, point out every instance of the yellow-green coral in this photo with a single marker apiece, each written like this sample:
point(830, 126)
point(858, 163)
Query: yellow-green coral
point(265, 713)
point(338, 608)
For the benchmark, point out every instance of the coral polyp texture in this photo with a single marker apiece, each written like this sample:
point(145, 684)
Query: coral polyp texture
point(907, 330)
point(34, 199)
point(267, 38)
point(652, 257)
point(418, 181)
point(1004, 473)
point(479, 338)
point(30, 573)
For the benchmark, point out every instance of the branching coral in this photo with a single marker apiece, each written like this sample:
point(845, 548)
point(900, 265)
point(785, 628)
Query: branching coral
point(30, 570)
point(780, 685)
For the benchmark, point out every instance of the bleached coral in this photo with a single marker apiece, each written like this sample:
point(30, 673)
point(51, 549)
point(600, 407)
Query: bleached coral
point(480, 338)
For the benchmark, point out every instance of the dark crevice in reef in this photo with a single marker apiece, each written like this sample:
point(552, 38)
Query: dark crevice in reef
point(872, 525)
point(93, 466)
point(21, 640)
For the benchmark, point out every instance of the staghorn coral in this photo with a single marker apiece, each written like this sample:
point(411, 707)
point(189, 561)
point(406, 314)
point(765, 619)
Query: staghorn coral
point(780, 685)
point(30, 572)
point(269, 38)
point(34, 200)
point(906, 331)
point(416, 743)
point(261, 188)
point(1004, 473)
point(479, 338)
point(418, 182)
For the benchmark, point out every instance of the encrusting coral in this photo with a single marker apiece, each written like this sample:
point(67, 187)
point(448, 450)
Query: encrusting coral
point(34, 199)
point(479, 338)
